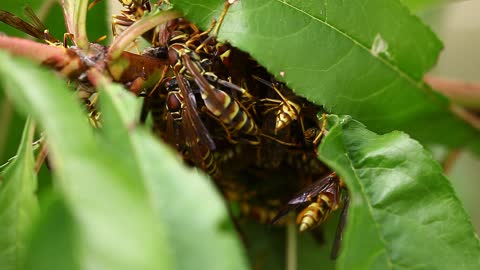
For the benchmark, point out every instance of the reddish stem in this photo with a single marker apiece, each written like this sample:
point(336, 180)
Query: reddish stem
point(32, 50)
point(450, 160)
point(126, 69)
point(466, 94)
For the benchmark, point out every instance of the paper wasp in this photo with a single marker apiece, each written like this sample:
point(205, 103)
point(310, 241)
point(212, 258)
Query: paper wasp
point(231, 113)
point(318, 201)
point(185, 128)
point(134, 10)
point(186, 62)
point(313, 135)
point(287, 110)
point(94, 116)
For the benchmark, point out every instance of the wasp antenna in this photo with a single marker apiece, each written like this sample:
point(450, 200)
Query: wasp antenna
point(93, 3)
point(228, 3)
point(102, 38)
point(340, 227)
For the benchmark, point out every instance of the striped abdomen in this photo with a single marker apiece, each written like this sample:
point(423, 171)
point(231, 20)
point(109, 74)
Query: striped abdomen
point(316, 212)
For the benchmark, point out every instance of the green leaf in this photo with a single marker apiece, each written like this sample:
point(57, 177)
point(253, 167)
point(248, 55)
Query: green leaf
point(117, 226)
point(186, 202)
point(53, 242)
point(134, 203)
point(18, 202)
point(79, 22)
point(95, 20)
point(364, 58)
point(403, 211)
point(98, 21)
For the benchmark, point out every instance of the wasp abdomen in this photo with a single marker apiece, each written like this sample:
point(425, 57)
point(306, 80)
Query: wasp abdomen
point(317, 212)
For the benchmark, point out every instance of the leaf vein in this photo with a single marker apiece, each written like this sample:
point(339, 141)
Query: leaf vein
point(394, 68)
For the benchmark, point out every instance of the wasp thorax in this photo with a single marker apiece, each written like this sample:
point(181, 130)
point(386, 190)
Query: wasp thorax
point(174, 53)
point(173, 103)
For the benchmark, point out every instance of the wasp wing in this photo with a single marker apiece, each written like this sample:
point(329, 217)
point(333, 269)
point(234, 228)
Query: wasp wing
point(19, 24)
point(197, 131)
point(37, 23)
point(314, 189)
point(209, 93)
point(306, 195)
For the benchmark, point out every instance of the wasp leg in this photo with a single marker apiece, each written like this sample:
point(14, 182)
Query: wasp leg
point(199, 35)
point(228, 3)
point(225, 128)
point(322, 130)
point(339, 232)
point(278, 140)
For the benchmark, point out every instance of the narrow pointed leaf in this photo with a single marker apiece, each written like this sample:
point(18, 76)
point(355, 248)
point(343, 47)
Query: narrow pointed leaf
point(187, 205)
point(403, 211)
point(364, 58)
point(10, 122)
point(54, 241)
point(110, 205)
point(98, 21)
point(18, 202)
point(127, 37)
point(80, 23)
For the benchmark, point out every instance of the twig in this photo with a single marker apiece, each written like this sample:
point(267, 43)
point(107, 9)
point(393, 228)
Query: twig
point(450, 160)
point(469, 117)
point(34, 50)
point(466, 94)
point(42, 155)
point(69, 60)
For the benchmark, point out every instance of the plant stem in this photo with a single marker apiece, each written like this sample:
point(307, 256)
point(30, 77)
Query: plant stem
point(80, 17)
point(464, 93)
point(137, 29)
point(450, 160)
point(466, 115)
point(291, 244)
point(6, 114)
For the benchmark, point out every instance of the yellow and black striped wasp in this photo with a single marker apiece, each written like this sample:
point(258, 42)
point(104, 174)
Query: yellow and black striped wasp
point(231, 114)
point(317, 202)
point(186, 63)
point(134, 10)
point(185, 129)
point(286, 111)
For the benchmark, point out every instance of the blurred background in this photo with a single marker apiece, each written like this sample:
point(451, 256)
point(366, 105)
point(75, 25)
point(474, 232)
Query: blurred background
point(458, 25)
